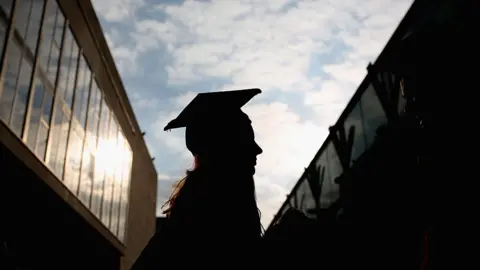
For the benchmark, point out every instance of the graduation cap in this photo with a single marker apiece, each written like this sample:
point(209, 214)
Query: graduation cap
point(211, 106)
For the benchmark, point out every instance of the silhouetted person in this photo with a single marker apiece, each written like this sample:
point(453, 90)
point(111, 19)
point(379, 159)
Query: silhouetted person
point(213, 209)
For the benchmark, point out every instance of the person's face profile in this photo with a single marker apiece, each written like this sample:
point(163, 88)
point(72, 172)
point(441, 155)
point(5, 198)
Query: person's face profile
point(237, 147)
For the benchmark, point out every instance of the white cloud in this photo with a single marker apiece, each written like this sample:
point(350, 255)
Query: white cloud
point(317, 48)
point(117, 10)
point(328, 101)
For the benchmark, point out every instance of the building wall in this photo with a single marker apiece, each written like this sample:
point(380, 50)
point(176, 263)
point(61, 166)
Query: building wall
point(55, 53)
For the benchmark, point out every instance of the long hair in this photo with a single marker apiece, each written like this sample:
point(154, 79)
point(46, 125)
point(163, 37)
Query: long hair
point(248, 193)
point(168, 205)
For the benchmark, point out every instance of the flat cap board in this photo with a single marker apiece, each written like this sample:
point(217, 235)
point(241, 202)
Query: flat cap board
point(205, 105)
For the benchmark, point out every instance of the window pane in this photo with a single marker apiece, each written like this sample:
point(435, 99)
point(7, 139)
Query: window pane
point(93, 116)
point(330, 189)
point(62, 148)
point(97, 191)
point(54, 144)
point(104, 124)
point(321, 173)
point(86, 177)
point(6, 7)
point(72, 173)
point(125, 194)
point(42, 140)
point(47, 106)
point(304, 200)
point(23, 87)
point(117, 185)
point(68, 70)
point(34, 25)
point(21, 17)
point(27, 21)
point(34, 121)
point(59, 26)
point(3, 36)
point(101, 160)
point(10, 81)
point(59, 141)
point(107, 153)
point(83, 88)
point(373, 114)
point(353, 123)
point(50, 49)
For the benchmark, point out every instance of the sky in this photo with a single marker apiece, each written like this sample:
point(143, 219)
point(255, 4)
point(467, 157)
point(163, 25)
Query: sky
point(308, 57)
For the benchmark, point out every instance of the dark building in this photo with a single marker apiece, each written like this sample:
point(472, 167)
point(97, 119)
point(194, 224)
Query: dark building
point(78, 186)
point(375, 169)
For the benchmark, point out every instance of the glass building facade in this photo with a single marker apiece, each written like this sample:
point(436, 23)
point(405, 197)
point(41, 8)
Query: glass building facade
point(378, 102)
point(50, 99)
point(317, 189)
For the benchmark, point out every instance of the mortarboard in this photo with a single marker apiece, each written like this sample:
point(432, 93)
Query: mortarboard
point(212, 105)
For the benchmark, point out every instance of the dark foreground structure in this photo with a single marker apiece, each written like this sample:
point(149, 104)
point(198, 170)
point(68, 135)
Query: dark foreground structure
point(367, 198)
point(78, 186)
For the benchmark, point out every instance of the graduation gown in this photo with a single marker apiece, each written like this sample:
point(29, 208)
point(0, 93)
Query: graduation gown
point(208, 219)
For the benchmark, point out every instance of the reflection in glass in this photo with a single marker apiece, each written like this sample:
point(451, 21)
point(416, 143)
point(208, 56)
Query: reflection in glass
point(125, 194)
point(22, 14)
point(86, 176)
point(10, 81)
point(68, 68)
point(42, 105)
point(94, 159)
point(36, 112)
point(100, 170)
point(6, 7)
point(42, 138)
point(82, 91)
point(322, 174)
point(58, 142)
point(109, 157)
point(330, 189)
point(373, 114)
point(34, 26)
point(54, 145)
point(42, 135)
point(20, 104)
point(27, 21)
point(304, 200)
point(62, 143)
point(93, 116)
point(74, 157)
point(355, 120)
point(47, 106)
point(3, 36)
point(50, 44)
point(117, 184)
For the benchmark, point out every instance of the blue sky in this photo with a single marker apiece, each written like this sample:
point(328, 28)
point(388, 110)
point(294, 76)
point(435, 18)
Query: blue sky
point(308, 57)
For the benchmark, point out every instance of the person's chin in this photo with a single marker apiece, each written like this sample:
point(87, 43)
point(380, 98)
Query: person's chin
point(250, 171)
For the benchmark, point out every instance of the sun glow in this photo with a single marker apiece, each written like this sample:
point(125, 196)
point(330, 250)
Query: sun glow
point(110, 156)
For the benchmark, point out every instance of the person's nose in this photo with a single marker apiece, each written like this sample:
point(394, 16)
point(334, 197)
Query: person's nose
point(258, 150)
